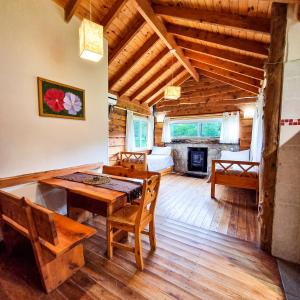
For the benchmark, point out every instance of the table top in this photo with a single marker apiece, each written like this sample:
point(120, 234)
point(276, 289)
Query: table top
point(95, 192)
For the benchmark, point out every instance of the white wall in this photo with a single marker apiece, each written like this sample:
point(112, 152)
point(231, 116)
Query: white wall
point(35, 41)
point(286, 225)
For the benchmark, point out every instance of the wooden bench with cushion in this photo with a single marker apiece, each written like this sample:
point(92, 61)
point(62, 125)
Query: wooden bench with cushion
point(56, 240)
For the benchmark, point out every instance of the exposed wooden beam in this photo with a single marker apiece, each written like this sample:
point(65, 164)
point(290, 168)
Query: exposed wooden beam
point(145, 9)
point(161, 95)
point(225, 64)
point(133, 60)
point(70, 9)
point(203, 87)
point(215, 17)
point(162, 85)
point(130, 34)
point(154, 77)
point(113, 12)
point(272, 113)
point(241, 85)
point(226, 73)
point(209, 92)
point(144, 71)
point(228, 96)
point(250, 61)
point(219, 39)
point(203, 111)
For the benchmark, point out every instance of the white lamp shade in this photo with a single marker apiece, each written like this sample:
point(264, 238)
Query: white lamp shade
point(91, 40)
point(160, 116)
point(172, 92)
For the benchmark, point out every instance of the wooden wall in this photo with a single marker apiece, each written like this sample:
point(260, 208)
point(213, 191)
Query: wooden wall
point(158, 134)
point(117, 133)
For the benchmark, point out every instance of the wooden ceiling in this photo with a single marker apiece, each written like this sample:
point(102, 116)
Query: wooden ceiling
point(221, 48)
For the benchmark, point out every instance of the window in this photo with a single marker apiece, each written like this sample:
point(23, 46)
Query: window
point(140, 132)
point(196, 129)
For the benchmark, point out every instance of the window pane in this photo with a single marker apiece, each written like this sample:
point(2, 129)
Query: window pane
point(136, 124)
point(211, 129)
point(184, 130)
point(143, 141)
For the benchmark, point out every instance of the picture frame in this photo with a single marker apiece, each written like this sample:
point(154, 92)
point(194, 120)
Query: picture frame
point(59, 100)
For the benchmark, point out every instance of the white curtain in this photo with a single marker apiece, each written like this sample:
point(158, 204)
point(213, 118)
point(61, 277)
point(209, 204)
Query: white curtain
point(230, 130)
point(166, 134)
point(150, 133)
point(257, 131)
point(130, 143)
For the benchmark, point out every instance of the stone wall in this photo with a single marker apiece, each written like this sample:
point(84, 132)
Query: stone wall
point(180, 153)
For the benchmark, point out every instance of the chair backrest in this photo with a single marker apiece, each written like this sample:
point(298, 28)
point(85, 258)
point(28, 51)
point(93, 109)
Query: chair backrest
point(134, 160)
point(28, 218)
point(149, 197)
point(126, 172)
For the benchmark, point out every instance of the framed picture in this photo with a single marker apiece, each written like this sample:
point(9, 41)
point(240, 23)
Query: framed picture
point(60, 100)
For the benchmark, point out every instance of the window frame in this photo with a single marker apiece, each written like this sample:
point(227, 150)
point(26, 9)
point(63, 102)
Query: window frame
point(141, 118)
point(199, 128)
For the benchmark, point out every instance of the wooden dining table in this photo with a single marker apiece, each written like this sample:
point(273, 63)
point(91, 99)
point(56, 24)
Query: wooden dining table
point(82, 197)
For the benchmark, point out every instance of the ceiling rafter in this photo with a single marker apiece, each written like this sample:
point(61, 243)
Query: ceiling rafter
point(225, 64)
point(161, 95)
point(134, 29)
point(219, 39)
point(163, 84)
point(145, 9)
point(257, 24)
point(112, 13)
point(205, 87)
point(226, 73)
point(71, 8)
point(241, 85)
point(133, 60)
point(154, 77)
point(250, 61)
point(144, 71)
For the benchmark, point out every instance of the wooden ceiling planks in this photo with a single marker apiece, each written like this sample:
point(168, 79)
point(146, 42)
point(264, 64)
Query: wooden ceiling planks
point(227, 41)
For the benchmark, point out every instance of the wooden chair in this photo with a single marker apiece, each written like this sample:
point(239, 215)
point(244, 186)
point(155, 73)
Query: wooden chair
point(133, 160)
point(134, 218)
point(56, 240)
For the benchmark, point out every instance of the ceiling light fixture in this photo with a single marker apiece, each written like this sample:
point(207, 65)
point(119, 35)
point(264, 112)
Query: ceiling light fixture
point(91, 39)
point(172, 92)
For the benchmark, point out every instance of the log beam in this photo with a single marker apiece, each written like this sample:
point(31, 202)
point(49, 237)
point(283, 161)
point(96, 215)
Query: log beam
point(162, 85)
point(219, 39)
point(226, 73)
point(272, 113)
point(225, 64)
point(133, 60)
point(70, 9)
point(112, 13)
point(202, 111)
point(134, 29)
point(249, 61)
point(238, 84)
point(145, 9)
point(258, 24)
point(143, 72)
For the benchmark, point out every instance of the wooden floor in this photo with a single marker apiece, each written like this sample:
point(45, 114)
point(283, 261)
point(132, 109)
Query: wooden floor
point(187, 200)
point(189, 263)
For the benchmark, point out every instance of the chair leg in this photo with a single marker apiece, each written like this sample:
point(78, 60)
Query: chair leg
point(109, 230)
point(138, 250)
point(152, 238)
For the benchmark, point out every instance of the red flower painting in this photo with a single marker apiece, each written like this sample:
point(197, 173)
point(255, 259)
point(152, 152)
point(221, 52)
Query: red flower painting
point(55, 99)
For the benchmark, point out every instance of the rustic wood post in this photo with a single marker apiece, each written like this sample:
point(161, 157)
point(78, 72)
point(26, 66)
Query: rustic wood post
point(272, 113)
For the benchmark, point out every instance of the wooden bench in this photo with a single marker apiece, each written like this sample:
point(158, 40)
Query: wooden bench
point(56, 240)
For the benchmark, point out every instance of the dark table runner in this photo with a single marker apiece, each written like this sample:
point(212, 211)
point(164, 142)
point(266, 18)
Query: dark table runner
point(131, 188)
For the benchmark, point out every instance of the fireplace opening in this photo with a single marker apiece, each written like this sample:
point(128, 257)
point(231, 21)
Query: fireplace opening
point(197, 159)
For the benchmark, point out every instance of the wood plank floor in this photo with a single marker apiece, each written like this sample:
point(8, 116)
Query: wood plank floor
point(187, 200)
point(189, 263)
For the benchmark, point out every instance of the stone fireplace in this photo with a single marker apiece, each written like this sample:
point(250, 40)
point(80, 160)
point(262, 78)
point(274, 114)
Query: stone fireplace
point(180, 151)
